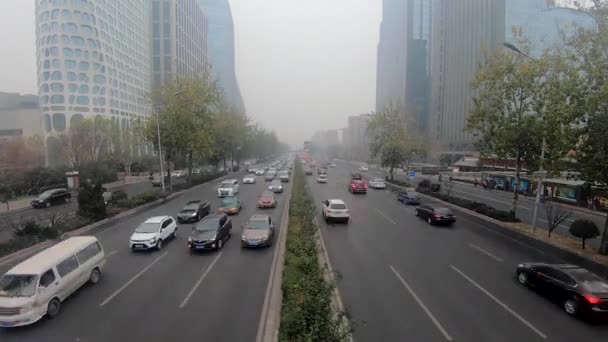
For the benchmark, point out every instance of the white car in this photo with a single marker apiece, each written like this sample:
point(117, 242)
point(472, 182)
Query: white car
point(178, 173)
point(363, 168)
point(377, 183)
point(322, 179)
point(153, 232)
point(249, 180)
point(259, 172)
point(228, 187)
point(335, 210)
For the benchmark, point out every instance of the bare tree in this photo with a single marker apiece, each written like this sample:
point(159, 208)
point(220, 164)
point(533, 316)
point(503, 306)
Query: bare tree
point(555, 215)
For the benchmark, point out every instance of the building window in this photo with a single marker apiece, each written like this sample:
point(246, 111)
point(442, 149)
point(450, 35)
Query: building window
point(78, 53)
point(84, 89)
point(46, 64)
point(54, 51)
point(44, 99)
point(77, 41)
point(82, 77)
point(66, 15)
point(45, 88)
point(71, 76)
point(99, 79)
point(47, 122)
point(57, 99)
point(83, 66)
point(56, 76)
point(76, 118)
point(55, 14)
point(67, 52)
point(72, 87)
point(56, 63)
point(70, 64)
point(59, 122)
point(57, 87)
point(82, 100)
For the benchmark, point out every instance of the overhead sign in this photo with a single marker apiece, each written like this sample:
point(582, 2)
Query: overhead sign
point(412, 174)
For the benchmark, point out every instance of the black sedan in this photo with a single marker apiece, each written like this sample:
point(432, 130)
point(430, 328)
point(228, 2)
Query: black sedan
point(193, 211)
point(52, 197)
point(210, 233)
point(409, 197)
point(576, 289)
point(435, 214)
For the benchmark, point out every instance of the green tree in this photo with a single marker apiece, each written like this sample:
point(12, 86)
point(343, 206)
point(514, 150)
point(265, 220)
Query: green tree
point(584, 229)
point(507, 87)
point(90, 201)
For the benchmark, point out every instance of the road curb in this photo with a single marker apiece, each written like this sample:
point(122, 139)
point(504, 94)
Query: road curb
point(564, 255)
point(99, 224)
point(270, 319)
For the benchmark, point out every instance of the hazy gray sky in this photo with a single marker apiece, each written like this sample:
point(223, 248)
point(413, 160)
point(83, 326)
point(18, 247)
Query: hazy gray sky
point(302, 65)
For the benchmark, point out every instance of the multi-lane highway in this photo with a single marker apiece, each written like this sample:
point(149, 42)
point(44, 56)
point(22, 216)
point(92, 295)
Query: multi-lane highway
point(403, 280)
point(171, 294)
point(503, 201)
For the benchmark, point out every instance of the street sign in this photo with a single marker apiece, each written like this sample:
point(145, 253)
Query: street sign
point(412, 174)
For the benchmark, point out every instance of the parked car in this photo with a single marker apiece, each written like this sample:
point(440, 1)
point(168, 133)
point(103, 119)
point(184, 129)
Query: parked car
point(259, 172)
point(321, 171)
point(276, 186)
point(251, 170)
point(52, 197)
point(156, 181)
point(228, 187)
point(37, 286)
point(335, 210)
point(577, 290)
point(435, 214)
point(308, 171)
point(284, 176)
point(267, 200)
point(377, 183)
point(153, 232)
point(363, 168)
point(249, 180)
point(322, 179)
point(193, 211)
point(111, 197)
point(332, 165)
point(231, 205)
point(258, 231)
point(179, 173)
point(409, 197)
point(210, 233)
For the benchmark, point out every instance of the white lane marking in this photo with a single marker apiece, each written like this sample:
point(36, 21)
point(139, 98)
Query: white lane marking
point(110, 253)
point(424, 307)
point(199, 281)
point(135, 277)
point(504, 306)
point(386, 217)
point(483, 251)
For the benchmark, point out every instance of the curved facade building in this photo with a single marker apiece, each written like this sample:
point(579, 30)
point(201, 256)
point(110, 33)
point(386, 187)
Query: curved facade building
point(93, 60)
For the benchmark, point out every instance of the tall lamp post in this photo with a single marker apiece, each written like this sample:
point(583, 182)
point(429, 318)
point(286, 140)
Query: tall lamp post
point(542, 152)
point(160, 151)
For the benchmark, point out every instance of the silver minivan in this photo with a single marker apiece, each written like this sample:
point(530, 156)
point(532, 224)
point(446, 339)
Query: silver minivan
point(37, 286)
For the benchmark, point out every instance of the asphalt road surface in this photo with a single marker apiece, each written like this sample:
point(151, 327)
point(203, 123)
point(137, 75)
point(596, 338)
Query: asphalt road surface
point(11, 219)
point(403, 280)
point(171, 294)
point(502, 200)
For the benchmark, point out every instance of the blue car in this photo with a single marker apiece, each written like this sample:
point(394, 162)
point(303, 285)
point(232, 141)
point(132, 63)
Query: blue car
point(409, 197)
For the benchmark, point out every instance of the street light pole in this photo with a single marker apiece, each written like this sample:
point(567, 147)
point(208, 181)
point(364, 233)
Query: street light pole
point(160, 154)
point(542, 152)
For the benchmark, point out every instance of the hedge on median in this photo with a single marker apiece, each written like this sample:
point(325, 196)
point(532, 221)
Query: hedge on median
point(307, 313)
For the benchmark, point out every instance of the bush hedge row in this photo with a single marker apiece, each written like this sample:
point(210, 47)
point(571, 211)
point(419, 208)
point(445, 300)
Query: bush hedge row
point(481, 208)
point(307, 313)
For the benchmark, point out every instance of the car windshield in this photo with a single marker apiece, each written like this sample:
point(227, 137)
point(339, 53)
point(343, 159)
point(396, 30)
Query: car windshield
point(148, 227)
point(267, 195)
point(229, 201)
point(226, 185)
point(339, 206)
point(187, 211)
point(18, 285)
point(443, 211)
point(207, 225)
point(46, 194)
point(412, 194)
point(258, 224)
point(276, 183)
point(378, 180)
point(590, 281)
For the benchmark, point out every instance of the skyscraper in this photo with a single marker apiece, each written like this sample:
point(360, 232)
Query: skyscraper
point(541, 23)
point(179, 40)
point(221, 49)
point(93, 60)
point(462, 30)
point(403, 62)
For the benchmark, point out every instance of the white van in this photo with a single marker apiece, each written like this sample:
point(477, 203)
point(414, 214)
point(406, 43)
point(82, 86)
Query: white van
point(37, 286)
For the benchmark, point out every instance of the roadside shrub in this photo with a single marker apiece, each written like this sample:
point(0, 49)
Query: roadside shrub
point(35, 231)
point(584, 229)
point(90, 201)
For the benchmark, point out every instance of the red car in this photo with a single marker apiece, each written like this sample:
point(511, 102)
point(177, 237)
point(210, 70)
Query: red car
point(357, 185)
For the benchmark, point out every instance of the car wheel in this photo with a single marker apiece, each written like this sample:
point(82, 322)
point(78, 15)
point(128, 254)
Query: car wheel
point(174, 234)
point(522, 277)
point(95, 276)
point(571, 306)
point(230, 233)
point(429, 220)
point(416, 212)
point(220, 244)
point(47, 204)
point(159, 244)
point(53, 308)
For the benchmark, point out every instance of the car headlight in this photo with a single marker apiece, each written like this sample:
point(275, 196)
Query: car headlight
point(213, 238)
point(243, 238)
point(152, 240)
point(189, 239)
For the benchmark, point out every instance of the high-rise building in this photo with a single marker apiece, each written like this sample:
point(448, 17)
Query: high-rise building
point(221, 49)
point(93, 60)
point(357, 137)
point(540, 24)
point(179, 41)
point(403, 62)
point(462, 31)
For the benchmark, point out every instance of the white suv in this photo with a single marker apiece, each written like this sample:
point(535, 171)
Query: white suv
point(229, 187)
point(335, 210)
point(153, 232)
